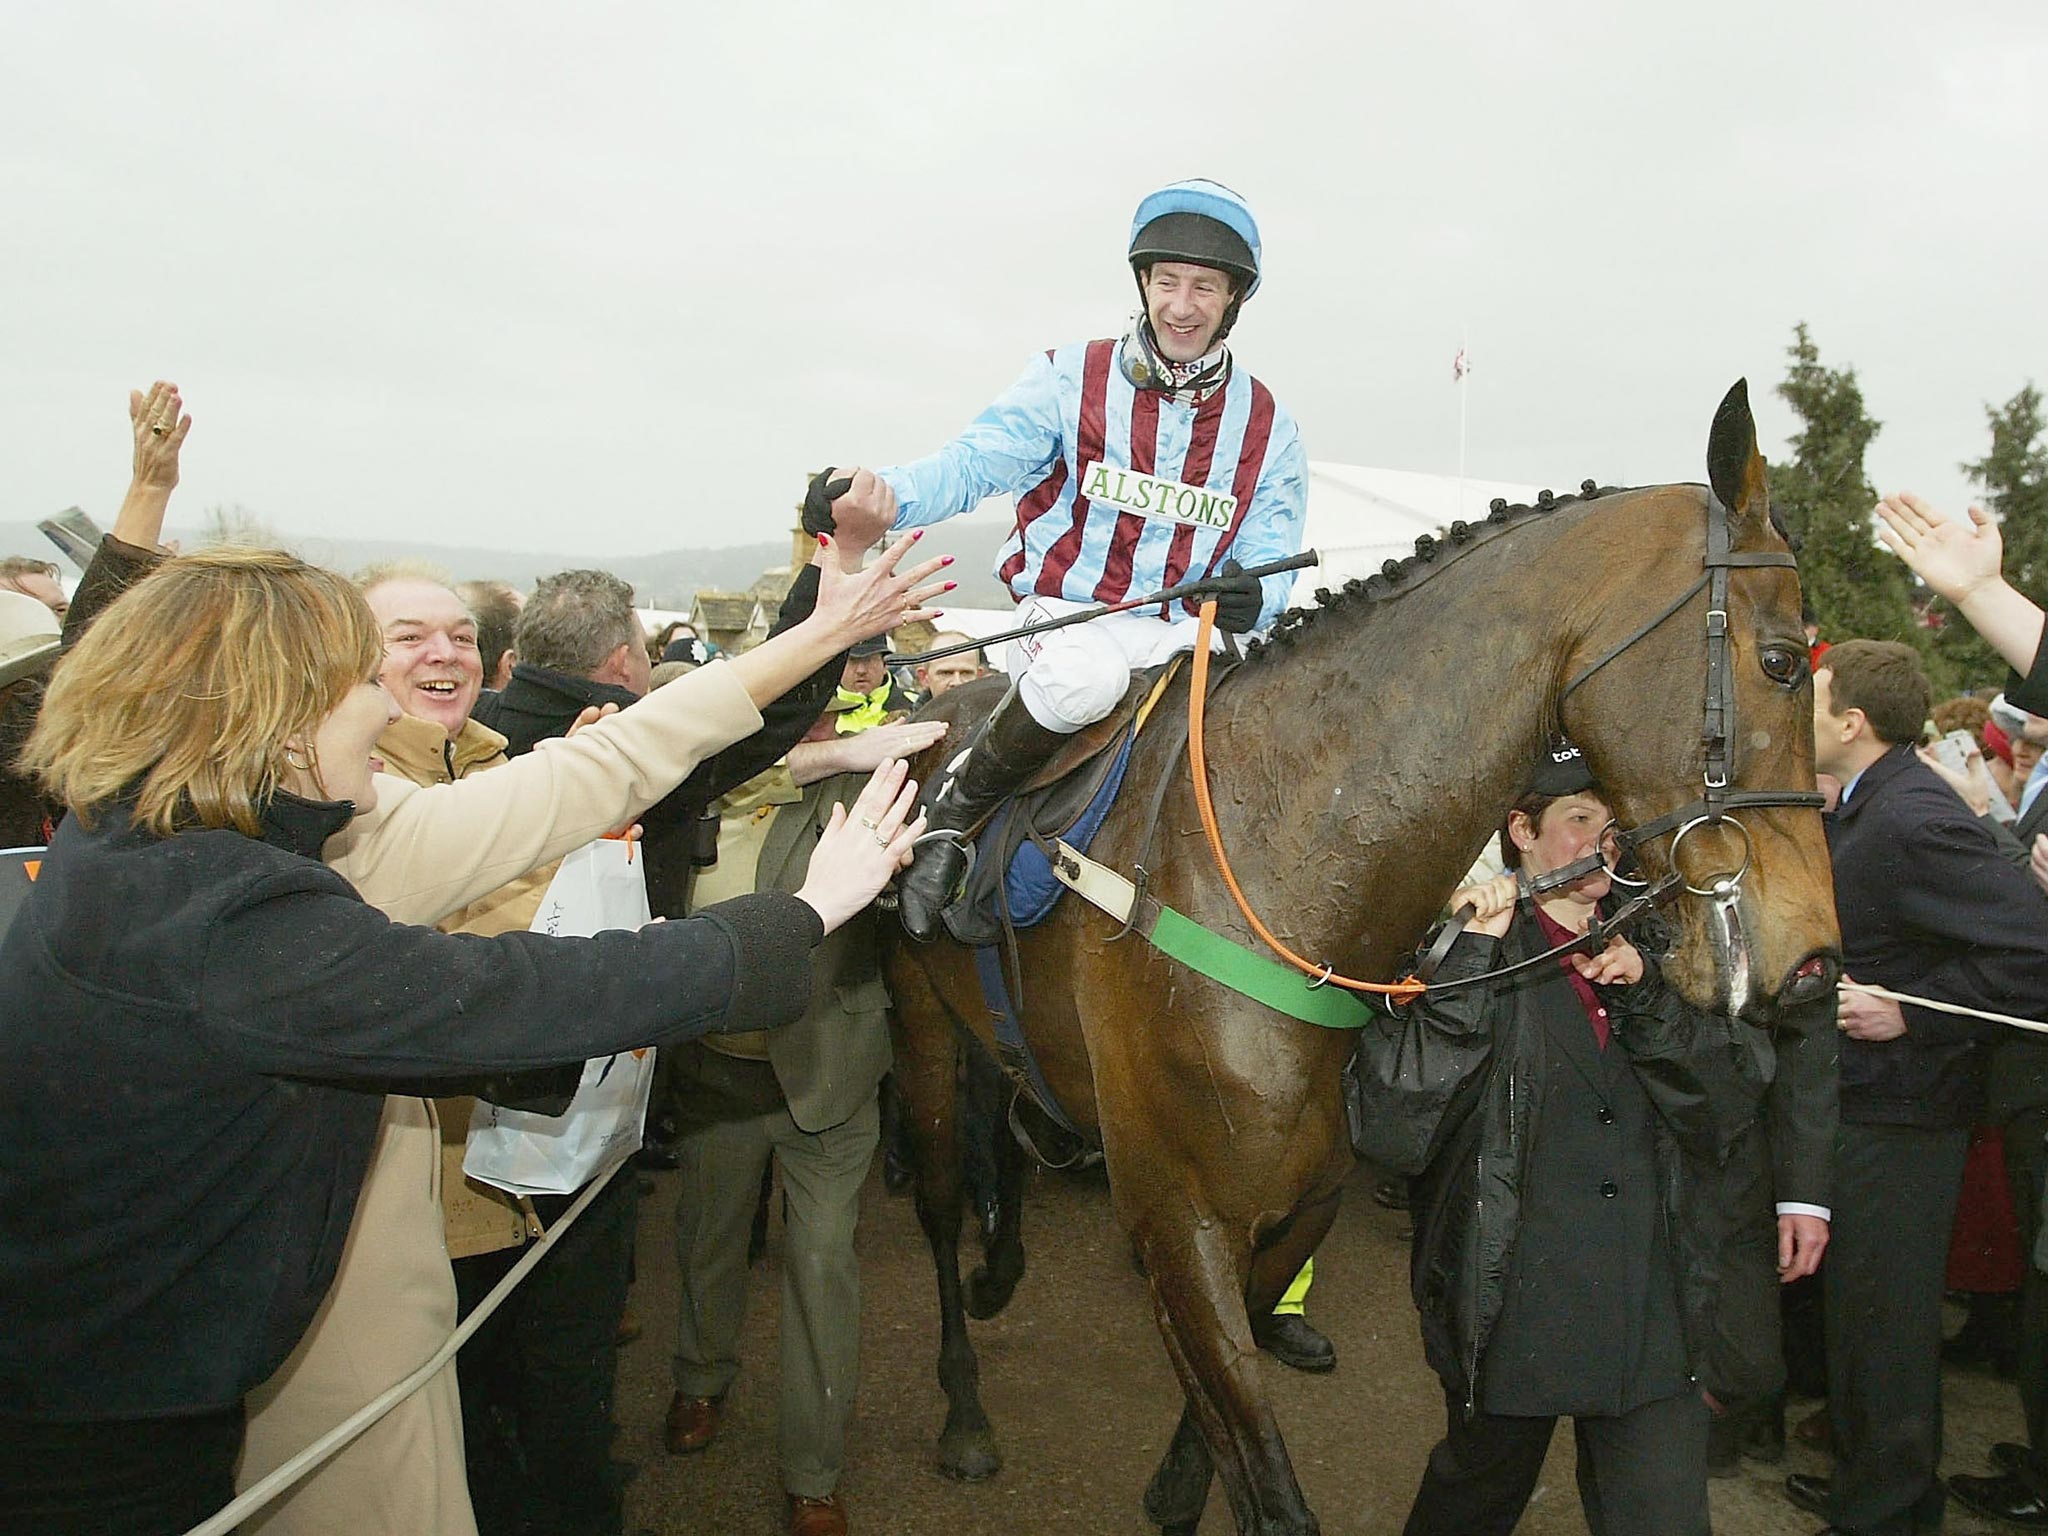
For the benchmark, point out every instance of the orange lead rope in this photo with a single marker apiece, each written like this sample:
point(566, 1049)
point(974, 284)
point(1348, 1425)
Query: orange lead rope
point(1402, 991)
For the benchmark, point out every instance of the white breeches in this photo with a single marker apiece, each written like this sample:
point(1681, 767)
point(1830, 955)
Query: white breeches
point(1074, 676)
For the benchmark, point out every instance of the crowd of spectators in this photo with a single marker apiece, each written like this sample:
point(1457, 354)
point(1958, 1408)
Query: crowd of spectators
point(233, 1206)
point(256, 1247)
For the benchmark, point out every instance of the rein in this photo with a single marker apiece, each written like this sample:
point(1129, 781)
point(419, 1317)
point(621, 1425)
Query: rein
point(1710, 809)
point(1401, 991)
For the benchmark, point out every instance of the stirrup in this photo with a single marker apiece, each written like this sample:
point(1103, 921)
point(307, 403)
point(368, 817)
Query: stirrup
point(959, 840)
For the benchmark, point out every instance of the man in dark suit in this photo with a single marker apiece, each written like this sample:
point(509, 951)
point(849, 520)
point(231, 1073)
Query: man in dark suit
point(1960, 559)
point(1928, 906)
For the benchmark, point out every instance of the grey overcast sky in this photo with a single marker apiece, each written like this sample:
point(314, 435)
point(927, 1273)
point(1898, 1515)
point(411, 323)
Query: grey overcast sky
point(611, 277)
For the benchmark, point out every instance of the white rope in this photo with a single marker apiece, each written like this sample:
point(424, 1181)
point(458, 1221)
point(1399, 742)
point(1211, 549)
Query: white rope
point(270, 1486)
point(2035, 1025)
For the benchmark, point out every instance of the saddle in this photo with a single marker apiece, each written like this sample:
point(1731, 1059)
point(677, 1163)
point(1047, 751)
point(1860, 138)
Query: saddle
point(1012, 885)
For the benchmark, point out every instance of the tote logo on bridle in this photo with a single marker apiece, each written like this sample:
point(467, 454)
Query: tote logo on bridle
point(1167, 500)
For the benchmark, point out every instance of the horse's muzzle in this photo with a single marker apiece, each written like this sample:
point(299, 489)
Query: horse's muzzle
point(1811, 980)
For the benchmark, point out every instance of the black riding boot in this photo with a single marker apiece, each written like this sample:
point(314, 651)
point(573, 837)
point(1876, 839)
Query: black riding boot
point(1010, 748)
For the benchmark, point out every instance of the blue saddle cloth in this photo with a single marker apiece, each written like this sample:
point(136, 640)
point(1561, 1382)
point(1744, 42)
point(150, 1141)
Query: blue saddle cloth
point(1012, 877)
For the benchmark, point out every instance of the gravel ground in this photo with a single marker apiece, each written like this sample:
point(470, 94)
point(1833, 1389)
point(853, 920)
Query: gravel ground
point(1077, 1385)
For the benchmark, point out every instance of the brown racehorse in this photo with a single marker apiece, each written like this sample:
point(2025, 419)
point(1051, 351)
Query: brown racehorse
point(1360, 759)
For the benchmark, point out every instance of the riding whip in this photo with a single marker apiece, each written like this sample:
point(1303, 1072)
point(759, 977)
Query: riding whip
point(1199, 588)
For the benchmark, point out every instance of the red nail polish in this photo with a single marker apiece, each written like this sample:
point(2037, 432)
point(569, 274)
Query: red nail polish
point(824, 542)
point(951, 585)
point(916, 534)
point(946, 560)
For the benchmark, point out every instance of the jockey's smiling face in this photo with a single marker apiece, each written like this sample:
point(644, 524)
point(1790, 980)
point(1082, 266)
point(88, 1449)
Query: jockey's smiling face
point(1186, 304)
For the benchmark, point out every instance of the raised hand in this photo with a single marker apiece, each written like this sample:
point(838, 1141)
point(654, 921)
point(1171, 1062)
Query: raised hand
point(852, 605)
point(1953, 558)
point(159, 426)
point(865, 750)
point(857, 854)
point(1962, 564)
point(159, 429)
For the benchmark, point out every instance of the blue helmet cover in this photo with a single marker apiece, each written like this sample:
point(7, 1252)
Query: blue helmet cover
point(1209, 199)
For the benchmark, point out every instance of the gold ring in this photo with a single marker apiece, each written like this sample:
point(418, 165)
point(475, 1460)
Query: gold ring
point(881, 841)
point(159, 429)
point(870, 823)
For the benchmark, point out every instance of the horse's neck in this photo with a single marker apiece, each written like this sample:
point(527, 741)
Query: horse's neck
point(1366, 762)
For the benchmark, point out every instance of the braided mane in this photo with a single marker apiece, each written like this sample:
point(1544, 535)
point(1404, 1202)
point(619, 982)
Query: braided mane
point(1433, 551)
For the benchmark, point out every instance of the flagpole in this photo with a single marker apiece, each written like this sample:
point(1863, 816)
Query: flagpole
point(1462, 369)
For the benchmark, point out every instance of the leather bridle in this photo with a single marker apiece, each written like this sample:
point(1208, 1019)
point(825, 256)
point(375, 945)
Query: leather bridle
point(1716, 798)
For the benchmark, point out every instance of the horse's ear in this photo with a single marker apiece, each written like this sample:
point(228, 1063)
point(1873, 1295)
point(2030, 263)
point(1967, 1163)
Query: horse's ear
point(1734, 467)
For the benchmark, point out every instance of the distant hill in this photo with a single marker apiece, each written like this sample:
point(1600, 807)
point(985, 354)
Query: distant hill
point(665, 580)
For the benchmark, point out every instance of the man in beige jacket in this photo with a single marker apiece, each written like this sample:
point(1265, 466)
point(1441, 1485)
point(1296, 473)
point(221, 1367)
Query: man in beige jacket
point(393, 1301)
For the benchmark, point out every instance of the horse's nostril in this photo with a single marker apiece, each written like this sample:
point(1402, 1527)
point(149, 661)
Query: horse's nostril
point(1812, 979)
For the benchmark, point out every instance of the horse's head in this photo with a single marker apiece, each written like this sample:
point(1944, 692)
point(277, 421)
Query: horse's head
point(1698, 741)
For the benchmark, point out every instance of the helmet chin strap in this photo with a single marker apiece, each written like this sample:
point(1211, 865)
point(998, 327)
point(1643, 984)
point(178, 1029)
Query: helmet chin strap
point(1152, 369)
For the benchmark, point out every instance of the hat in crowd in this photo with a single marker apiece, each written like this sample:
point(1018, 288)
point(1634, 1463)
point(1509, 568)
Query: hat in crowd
point(874, 645)
point(29, 635)
point(686, 648)
point(1997, 742)
point(1560, 770)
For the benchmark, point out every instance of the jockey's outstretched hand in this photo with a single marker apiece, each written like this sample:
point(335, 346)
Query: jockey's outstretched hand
point(855, 505)
point(1239, 600)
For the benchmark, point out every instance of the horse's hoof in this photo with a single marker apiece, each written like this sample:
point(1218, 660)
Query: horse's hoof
point(969, 1457)
point(989, 1290)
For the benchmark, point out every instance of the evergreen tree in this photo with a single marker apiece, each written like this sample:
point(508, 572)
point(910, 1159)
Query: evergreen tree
point(1855, 586)
point(2014, 475)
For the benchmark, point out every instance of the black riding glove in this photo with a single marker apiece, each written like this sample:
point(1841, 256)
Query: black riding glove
point(1239, 600)
point(818, 502)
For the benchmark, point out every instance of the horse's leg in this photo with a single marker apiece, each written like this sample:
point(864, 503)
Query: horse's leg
point(1275, 1266)
point(1179, 1490)
point(1198, 1292)
point(927, 1072)
point(1002, 1252)
point(1180, 1487)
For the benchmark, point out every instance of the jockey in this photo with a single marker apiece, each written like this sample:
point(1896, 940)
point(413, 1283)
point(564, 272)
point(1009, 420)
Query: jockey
point(1136, 464)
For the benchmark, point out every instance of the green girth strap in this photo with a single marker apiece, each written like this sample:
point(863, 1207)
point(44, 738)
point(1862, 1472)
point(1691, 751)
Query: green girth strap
point(1211, 954)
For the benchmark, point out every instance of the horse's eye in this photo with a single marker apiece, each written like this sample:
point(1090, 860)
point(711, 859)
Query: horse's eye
point(1783, 665)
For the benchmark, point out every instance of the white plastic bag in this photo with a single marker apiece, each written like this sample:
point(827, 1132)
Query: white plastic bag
point(599, 887)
